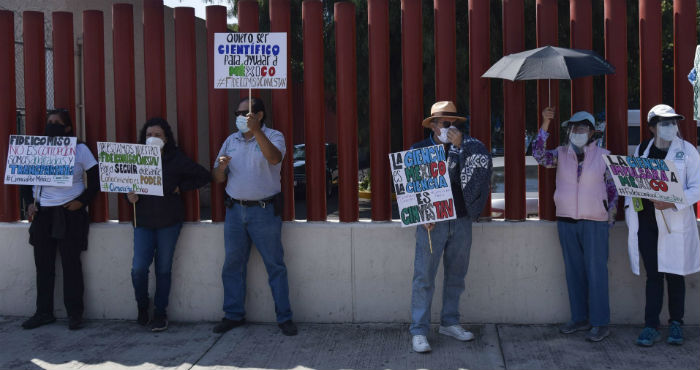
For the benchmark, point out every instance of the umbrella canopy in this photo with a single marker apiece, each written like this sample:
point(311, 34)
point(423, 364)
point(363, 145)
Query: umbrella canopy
point(549, 62)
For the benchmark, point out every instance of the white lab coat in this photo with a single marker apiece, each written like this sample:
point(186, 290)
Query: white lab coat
point(679, 250)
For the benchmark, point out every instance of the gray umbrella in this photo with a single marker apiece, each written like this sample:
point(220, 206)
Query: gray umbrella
point(549, 63)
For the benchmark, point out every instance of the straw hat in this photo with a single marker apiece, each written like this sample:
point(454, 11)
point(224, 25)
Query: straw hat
point(443, 109)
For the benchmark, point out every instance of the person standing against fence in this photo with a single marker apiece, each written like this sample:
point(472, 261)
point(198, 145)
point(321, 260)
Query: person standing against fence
point(250, 161)
point(586, 206)
point(664, 234)
point(469, 165)
point(60, 222)
point(159, 221)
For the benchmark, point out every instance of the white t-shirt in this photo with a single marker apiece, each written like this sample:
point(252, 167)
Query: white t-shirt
point(50, 196)
point(251, 176)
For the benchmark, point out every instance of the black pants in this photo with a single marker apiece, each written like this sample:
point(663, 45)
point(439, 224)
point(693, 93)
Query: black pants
point(648, 235)
point(45, 260)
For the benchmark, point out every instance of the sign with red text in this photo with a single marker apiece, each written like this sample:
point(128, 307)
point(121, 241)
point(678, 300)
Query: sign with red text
point(250, 60)
point(422, 185)
point(40, 160)
point(130, 167)
point(637, 177)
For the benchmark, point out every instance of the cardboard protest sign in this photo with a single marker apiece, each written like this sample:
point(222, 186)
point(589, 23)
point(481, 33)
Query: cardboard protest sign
point(654, 179)
point(40, 160)
point(422, 185)
point(130, 167)
point(250, 60)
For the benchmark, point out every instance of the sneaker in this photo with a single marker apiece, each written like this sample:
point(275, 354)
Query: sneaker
point(288, 328)
point(159, 323)
point(38, 320)
point(420, 344)
point(75, 322)
point(648, 337)
point(226, 325)
point(457, 332)
point(675, 333)
point(597, 333)
point(143, 318)
point(572, 327)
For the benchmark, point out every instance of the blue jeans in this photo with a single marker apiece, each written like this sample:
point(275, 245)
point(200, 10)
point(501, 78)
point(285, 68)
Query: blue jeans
point(585, 248)
point(150, 243)
point(264, 229)
point(454, 239)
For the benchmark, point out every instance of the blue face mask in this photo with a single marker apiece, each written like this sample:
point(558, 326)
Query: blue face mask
point(242, 124)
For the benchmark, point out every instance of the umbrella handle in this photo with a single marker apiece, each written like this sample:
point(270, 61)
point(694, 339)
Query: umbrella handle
point(549, 91)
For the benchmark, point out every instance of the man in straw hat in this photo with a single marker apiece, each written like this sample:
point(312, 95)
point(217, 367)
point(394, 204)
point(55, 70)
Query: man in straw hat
point(469, 165)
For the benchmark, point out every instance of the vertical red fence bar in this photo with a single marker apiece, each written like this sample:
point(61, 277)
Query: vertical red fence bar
point(94, 77)
point(547, 34)
point(9, 200)
point(581, 16)
point(280, 21)
point(683, 58)
point(649, 60)
point(480, 88)
point(64, 63)
point(445, 50)
point(186, 95)
point(412, 70)
point(218, 107)
point(314, 110)
point(34, 72)
point(154, 58)
point(379, 108)
point(615, 14)
point(346, 87)
point(248, 22)
point(124, 85)
point(513, 113)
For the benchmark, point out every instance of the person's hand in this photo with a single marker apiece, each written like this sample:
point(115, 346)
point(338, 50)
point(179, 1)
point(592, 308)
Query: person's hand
point(133, 197)
point(662, 205)
point(73, 205)
point(223, 161)
point(547, 117)
point(177, 190)
point(454, 136)
point(429, 226)
point(253, 122)
point(32, 210)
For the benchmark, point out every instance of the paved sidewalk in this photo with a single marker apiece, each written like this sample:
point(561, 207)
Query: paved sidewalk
point(106, 344)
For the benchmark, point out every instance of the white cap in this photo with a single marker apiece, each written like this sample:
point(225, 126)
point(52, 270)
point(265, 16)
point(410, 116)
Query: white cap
point(580, 116)
point(663, 110)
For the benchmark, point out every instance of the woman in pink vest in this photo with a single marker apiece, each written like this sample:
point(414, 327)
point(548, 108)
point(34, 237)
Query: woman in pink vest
point(586, 202)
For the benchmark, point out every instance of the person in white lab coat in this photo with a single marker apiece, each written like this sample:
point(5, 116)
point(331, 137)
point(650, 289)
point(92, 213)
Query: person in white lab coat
point(668, 252)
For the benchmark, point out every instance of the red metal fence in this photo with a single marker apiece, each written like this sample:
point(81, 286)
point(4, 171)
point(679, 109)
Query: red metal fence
point(615, 19)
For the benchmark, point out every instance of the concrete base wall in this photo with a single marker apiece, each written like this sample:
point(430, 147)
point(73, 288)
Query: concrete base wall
point(359, 272)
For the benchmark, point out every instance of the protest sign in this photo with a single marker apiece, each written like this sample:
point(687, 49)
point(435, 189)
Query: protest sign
point(654, 179)
point(422, 185)
point(250, 60)
point(40, 160)
point(130, 167)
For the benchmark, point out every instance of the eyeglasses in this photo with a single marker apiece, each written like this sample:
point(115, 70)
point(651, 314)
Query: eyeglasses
point(242, 112)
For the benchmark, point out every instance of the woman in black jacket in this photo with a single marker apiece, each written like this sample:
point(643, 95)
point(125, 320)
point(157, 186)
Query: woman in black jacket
point(60, 222)
point(159, 220)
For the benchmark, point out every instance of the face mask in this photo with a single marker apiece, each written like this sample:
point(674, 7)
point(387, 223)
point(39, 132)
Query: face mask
point(578, 140)
point(443, 135)
point(242, 124)
point(667, 133)
point(155, 141)
point(55, 129)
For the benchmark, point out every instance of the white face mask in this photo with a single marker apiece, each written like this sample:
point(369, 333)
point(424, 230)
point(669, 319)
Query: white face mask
point(578, 140)
point(667, 133)
point(443, 135)
point(242, 124)
point(155, 141)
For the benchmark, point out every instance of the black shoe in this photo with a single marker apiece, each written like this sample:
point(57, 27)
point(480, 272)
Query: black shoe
point(38, 320)
point(159, 322)
point(143, 318)
point(75, 322)
point(288, 328)
point(226, 325)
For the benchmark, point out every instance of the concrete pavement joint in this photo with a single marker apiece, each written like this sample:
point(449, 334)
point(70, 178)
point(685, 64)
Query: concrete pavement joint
point(194, 363)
